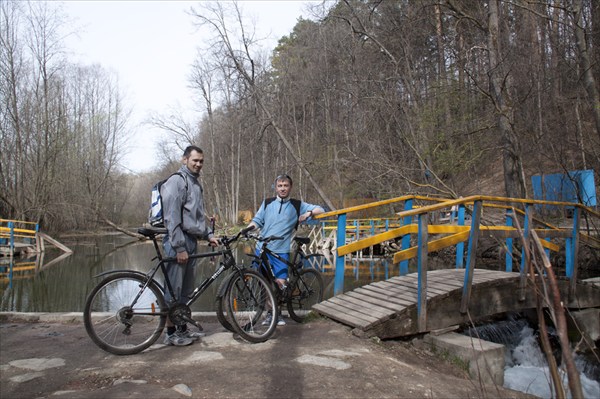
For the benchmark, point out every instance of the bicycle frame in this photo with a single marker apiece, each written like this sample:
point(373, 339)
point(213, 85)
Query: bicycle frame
point(263, 259)
point(227, 261)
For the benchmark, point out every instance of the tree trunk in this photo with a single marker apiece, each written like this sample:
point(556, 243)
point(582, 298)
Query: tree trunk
point(584, 58)
point(513, 182)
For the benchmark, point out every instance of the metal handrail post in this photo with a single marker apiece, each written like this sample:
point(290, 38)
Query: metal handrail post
point(570, 246)
point(509, 241)
point(471, 252)
point(408, 204)
point(423, 238)
point(574, 249)
point(460, 247)
point(526, 223)
point(340, 263)
point(526, 233)
point(11, 241)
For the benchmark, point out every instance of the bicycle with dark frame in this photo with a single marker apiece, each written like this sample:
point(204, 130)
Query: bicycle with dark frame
point(127, 312)
point(304, 286)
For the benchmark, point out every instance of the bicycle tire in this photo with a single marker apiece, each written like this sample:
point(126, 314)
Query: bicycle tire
point(114, 324)
point(221, 303)
point(250, 300)
point(305, 291)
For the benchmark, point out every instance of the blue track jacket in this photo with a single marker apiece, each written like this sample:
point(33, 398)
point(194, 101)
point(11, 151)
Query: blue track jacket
point(279, 219)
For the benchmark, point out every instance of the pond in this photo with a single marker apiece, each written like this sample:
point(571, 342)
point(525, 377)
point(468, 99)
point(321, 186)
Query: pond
point(45, 284)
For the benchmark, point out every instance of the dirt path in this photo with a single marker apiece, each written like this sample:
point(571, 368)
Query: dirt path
point(320, 359)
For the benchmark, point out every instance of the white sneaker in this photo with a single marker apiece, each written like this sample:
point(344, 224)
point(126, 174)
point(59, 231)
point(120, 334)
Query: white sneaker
point(176, 339)
point(267, 319)
point(195, 335)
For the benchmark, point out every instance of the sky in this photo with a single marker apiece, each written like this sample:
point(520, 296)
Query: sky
point(150, 45)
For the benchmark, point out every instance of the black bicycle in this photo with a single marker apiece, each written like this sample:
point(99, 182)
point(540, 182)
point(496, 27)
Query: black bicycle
point(304, 286)
point(127, 311)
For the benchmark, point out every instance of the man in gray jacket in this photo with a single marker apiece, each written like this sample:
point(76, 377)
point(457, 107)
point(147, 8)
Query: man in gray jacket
point(183, 210)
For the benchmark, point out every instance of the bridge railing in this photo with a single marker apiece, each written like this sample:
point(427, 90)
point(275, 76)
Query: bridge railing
point(502, 217)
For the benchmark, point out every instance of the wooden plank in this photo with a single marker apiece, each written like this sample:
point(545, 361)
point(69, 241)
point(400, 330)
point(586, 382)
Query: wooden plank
point(375, 301)
point(357, 310)
point(364, 307)
point(401, 299)
point(57, 244)
point(446, 281)
point(443, 287)
point(406, 291)
point(429, 290)
point(338, 313)
point(386, 296)
point(401, 286)
point(352, 310)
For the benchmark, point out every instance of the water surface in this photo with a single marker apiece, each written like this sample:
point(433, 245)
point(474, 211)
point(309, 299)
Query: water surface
point(39, 284)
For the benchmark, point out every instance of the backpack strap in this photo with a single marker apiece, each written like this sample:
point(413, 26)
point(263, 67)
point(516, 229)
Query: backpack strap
point(183, 177)
point(186, 190)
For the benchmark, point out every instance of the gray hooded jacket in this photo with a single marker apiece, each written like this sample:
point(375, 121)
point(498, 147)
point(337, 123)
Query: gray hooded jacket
point(192, 220)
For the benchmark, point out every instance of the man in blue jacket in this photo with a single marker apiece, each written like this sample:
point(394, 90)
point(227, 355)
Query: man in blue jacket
point(280, 217)
point(184, 218)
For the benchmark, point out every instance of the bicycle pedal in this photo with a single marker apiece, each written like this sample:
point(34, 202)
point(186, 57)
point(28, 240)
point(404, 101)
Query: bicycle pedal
point(199, 326)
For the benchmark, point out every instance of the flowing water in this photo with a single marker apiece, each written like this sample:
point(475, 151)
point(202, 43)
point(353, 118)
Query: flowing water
point(526, 369)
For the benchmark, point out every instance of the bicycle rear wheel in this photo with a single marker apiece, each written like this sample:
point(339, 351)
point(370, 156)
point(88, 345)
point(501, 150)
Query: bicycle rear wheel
point(252, 306)
point(121, 316)
point(305, 292)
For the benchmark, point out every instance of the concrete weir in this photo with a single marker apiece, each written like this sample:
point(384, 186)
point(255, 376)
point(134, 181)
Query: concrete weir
point(485, 359)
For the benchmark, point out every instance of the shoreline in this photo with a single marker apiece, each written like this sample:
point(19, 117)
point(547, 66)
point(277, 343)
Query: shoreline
point(76, 317)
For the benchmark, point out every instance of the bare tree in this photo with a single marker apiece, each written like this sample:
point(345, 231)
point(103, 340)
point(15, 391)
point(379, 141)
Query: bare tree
point(214, 16)
point(63, 127)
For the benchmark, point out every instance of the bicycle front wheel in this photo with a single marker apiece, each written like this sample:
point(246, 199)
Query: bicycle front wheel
point(122, 315)
point(221, 302)
point(305, 292)
point(252, 308)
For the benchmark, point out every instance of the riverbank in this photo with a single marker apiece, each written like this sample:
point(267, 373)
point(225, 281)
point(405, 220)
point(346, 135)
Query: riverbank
point(50, 355)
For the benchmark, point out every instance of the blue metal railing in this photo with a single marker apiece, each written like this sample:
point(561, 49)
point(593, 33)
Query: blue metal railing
point(458, 209)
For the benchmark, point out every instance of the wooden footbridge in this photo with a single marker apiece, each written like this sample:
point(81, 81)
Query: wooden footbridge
point(436, 299)
point(388, 309)
point(20, 240)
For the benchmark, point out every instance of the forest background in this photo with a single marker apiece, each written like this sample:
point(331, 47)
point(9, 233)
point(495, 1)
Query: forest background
point(366, 101)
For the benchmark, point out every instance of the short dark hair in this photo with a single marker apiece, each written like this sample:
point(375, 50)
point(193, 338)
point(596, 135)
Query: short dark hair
point(284, 177)
point(188, 150)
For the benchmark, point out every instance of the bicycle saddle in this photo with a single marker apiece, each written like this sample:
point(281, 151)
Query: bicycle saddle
point(151, 231)
point(302, 240)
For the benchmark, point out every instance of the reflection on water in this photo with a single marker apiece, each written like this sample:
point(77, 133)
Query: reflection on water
point(64, 284)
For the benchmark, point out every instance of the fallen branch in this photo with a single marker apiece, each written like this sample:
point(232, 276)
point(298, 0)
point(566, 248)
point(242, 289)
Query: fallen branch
point(560, 322)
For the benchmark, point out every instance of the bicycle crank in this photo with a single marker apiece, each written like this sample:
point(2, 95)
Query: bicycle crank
point(180, 314)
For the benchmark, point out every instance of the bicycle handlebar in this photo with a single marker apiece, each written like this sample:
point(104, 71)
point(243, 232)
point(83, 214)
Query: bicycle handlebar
point(264, 239)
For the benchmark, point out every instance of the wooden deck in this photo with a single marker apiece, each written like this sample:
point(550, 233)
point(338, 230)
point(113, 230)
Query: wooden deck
point(388, 309)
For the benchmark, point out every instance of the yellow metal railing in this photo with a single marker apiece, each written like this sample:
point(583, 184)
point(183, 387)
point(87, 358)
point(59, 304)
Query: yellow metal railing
point(414, 220)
